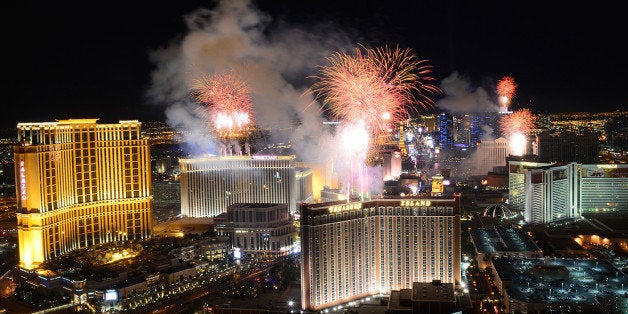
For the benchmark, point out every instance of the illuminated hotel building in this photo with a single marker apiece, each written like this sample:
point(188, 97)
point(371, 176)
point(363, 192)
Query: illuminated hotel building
point(551, 193)
point(489, 154)
point(322, 176)
point(516, 182)
point(555, 192)
point(210, 184)
point(359, 249)
point(80, 183)
point(446, 128)
point(603, 188)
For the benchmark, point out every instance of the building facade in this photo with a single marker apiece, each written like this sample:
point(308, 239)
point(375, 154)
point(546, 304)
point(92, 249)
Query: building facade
point(603, 188)
point(555, 192)
point(551, 193)
point(516, 182)
point(446, 131)
point(260, 229)
point(490, 154)
point(304, 181)
point(210, 184)
point(351, 250)
point(80, 183)
point(482, 126)
point(462, 130)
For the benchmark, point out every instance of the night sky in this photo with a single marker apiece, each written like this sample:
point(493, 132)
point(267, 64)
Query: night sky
point(92, 59)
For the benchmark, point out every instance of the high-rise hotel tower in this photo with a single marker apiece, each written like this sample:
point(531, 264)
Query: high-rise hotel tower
point(358, 249)
point(210, 184)
point(80, 183)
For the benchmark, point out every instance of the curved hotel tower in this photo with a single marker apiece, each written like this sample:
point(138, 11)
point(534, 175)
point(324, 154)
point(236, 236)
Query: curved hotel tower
point(210, 184)
point(552, 192)
point(359, 249)
point(80, 183)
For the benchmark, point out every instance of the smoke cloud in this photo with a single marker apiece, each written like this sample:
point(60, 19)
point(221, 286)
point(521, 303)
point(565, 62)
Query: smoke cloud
point(232, 36)
point(463, 97)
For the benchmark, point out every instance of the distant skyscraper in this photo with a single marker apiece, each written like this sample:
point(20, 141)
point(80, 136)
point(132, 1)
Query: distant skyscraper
point(483, 125)
point(462, 130)
point(358, 249)
point(446, 129)
point(392, 165)
point(210, 184)
point(80, 183)
point(489, 154)
point(430, 123)
point(322, 175)
point(304, 181)
point(438, 187)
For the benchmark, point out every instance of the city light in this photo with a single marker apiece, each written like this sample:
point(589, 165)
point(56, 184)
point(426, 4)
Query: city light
point(303, 167)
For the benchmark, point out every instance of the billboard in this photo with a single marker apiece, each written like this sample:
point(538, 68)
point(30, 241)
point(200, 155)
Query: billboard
point(111, 295)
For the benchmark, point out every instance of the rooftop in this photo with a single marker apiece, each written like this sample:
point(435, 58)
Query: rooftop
point(487, 240)
point(516, 239)
point(433, 291)
point(502, 239)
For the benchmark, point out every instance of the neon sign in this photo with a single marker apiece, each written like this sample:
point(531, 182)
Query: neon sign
point(410, 203)
point(342, 208)
point(22, 180)
point(264, 157)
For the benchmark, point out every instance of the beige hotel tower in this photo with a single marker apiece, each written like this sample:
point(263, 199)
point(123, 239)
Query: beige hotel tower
point(360, 249)
point(80, 183)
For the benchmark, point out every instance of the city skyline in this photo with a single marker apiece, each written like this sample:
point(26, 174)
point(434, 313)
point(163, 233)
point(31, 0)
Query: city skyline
point(367, 146)
point(350, 253)
point(76, 62)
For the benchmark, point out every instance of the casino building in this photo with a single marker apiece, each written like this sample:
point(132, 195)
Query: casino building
point(258, 229)
point(516, 181)
point(359, 249)
point(210, 184)
point(552, 192)
point(80, 183)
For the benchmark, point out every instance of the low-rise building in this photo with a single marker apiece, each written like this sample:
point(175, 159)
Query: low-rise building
point(424, 297)
point(260, 229)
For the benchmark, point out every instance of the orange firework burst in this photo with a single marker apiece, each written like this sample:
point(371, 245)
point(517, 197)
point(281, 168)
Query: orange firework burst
point(506, 89)
point(377, 86)
point(225, 102)
point(520, 121)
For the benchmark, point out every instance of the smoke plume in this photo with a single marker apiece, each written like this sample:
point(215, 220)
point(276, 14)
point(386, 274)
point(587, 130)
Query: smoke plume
point(232, 36)
point(463, 97)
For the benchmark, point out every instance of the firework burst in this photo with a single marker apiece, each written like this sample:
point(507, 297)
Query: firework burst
point(225, 103)
point(506, 89)
point(378, 86)
point(520, 121)
point(515, 127)
point(370, 91)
